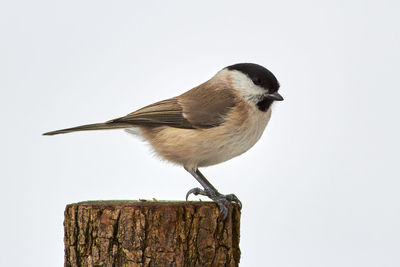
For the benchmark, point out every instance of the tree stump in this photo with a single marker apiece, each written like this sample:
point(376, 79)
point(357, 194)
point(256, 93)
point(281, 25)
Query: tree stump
point(150, 233)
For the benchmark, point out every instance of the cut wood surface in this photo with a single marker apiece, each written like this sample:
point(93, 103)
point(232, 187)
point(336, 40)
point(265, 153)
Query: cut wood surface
point(150, 233)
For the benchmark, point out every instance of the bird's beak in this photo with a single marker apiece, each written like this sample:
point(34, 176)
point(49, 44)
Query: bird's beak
point(275, 96)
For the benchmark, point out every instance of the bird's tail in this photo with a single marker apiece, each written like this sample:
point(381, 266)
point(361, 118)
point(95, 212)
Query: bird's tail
point(91, 127)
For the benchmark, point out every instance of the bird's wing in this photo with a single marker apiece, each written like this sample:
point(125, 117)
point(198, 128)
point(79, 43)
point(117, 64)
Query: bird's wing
point(202, 107)
point(197, 108)
point(206, 106)
point(167, 112)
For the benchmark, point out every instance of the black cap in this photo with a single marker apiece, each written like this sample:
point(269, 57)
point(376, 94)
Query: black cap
point(258, 74)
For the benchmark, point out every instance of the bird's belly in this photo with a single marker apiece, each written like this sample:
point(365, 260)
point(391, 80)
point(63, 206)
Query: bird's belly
point(194, 148)
point(237, 142)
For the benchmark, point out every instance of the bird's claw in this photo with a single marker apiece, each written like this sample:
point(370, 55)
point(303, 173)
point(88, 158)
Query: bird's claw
point(195, 191)
point(222, 207)
point(233, 198)
point(220, 199)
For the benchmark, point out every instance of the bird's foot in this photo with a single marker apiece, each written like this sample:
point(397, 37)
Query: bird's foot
point(220, 199)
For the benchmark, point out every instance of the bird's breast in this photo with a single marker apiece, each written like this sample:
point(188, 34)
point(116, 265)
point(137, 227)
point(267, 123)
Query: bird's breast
point(194, 148)
point(244, 136)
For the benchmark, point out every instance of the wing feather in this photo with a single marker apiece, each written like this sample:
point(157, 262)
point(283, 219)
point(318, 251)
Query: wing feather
point(167, 112)
point(205, 106)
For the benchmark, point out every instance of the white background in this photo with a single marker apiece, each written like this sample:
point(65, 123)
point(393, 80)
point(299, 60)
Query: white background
point(321, 187)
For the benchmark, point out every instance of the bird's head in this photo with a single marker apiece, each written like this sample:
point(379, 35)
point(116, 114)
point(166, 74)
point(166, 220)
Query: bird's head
point(255, 83)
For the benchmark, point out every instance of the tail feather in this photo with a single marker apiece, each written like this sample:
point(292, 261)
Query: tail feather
point(90, 127)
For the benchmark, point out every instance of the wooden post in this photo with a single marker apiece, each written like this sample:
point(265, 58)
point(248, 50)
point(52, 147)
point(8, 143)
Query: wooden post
point(150, 233)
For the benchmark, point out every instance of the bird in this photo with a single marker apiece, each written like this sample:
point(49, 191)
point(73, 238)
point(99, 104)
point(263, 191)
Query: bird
point(214, 122)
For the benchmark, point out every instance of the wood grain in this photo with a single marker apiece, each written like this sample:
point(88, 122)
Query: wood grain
point(150, 233)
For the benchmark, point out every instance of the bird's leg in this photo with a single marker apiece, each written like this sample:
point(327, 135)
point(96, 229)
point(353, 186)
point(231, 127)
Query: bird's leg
point(211, 192)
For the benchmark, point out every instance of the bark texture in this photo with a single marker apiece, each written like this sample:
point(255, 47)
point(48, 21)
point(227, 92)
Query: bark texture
point(151, 233)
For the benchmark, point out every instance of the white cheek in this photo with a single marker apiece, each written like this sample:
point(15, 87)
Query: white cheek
point(247, 88)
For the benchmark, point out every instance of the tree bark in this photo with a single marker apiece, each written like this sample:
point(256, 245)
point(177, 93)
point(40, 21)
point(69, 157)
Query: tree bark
point(150, 233)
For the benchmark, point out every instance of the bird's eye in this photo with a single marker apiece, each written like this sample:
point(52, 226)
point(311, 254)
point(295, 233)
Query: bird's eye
point(257, 81)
